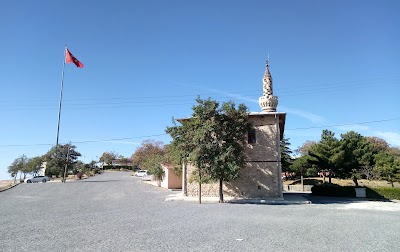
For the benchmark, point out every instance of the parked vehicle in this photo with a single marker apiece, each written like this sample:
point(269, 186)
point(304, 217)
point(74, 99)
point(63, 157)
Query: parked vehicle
point(141, 173)
point(37, 179)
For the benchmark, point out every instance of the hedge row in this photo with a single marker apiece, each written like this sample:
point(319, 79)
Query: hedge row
point(333, 190)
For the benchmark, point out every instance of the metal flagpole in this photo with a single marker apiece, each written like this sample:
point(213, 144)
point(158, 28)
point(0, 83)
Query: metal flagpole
point(61, 91)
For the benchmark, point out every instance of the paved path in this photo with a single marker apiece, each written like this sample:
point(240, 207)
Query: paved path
point(116, 212)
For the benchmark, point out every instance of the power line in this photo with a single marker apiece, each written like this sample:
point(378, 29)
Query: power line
point(80, 142)
point(138, 137)
point(346, 124)
point(152, 103)
point(304, 88)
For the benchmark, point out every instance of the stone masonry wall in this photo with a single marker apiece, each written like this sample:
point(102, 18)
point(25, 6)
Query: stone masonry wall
point(260, 177)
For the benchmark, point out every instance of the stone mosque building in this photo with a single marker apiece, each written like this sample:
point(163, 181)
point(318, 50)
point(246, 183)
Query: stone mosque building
point(261, 177)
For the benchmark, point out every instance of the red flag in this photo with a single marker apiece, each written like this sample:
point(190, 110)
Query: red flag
point(69, 58)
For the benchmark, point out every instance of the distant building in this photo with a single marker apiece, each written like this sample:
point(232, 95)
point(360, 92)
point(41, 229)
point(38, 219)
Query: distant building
point(121, 162)
point(42, 170)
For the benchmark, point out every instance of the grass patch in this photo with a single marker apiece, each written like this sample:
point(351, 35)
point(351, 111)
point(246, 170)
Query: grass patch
point(333, 190)
point(383, 193)
point(344, 182)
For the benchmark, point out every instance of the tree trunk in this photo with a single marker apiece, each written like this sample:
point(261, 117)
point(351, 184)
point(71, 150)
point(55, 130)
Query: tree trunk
point(330, 176)
point(15, 178)
point(221, 193)
point(355, 180)
point(185, 178)
point(391, 180)
point(199, 186)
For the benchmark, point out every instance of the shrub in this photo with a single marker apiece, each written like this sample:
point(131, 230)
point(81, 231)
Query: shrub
point(333, 190)
point(79, 175)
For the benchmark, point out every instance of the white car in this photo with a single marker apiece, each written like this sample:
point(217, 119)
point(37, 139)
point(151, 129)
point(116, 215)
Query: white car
point(37, 179)
point(141, 173)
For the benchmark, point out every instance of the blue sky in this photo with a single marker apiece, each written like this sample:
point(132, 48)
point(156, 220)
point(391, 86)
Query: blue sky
point(333, 63)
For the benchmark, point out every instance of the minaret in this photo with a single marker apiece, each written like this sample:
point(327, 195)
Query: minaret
point(268, 102)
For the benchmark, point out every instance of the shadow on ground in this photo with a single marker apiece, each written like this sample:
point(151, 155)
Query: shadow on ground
point(99, 181)
point(338, 200)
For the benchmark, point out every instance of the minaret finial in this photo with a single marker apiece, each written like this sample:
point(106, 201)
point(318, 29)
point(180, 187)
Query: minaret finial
point(268, 102)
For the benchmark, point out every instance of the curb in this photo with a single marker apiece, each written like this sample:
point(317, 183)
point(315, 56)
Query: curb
point(239, 201)
point(269, 202)
point(8, 188)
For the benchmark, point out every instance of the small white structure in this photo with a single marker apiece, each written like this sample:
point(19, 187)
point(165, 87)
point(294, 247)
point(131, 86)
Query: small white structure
point(42, 170)
point(171, 180)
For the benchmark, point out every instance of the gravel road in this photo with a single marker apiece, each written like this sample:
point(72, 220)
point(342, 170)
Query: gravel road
point(116, 212)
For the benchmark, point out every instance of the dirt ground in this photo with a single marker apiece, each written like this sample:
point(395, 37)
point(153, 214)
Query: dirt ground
point(5, 184)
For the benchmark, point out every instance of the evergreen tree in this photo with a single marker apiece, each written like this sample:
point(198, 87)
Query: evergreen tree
point(388, 165)
point(325, 153)
point(286, 159)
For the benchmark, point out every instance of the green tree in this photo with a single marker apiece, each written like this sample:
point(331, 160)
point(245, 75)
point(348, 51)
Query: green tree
point(182, 147)
point(153, 166)
point(34, 165)
point(301, 165)
point(227, 152)
point(174, 157)
point(355, 152)
point(286, 159)
point(388, 165)
point(217, 139)
point(13, 169)
point(92, 164)
point(56, 159)
point(325, 153)
point(19, 165)
point(108, 157)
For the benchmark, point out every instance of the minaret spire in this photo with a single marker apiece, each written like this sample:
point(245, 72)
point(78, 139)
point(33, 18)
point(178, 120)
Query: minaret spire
point(268, 102)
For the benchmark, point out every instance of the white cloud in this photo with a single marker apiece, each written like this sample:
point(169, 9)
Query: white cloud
point(235, 96)
point(353, 127)
point(298, 112)
point(305, 114)
point(393, 138)
point(232, 95)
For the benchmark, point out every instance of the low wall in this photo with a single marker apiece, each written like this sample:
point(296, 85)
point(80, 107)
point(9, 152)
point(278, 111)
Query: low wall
point(297, 188)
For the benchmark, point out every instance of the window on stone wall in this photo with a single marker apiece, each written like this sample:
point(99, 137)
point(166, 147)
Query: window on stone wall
point(251, 136)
